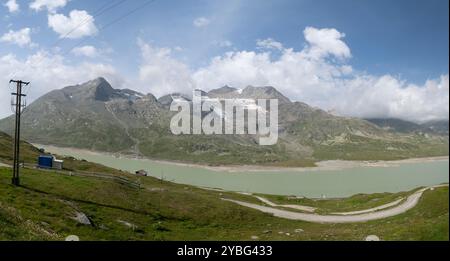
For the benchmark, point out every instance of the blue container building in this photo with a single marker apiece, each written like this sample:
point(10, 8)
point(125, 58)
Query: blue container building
point(45, 161)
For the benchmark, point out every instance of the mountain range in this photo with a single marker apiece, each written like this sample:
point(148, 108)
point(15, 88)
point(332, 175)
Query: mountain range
point(439, 127)
point(95, 116)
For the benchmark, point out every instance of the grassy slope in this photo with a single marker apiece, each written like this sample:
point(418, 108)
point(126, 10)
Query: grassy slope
point(42, 210)
point(360, 148)
point(28, 152)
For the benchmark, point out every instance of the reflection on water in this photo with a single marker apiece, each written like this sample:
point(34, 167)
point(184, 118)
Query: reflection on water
point(313, 184)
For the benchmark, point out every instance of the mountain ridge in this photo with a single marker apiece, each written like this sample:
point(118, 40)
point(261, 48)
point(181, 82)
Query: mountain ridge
point(440, 127)
point(94, 115)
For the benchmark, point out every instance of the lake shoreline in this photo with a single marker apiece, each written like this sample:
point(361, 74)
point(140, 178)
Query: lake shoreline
point(328, 165)
point(331, 179)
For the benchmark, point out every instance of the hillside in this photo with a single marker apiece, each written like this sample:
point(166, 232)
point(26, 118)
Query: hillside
point(397, 125)
point(29, 155)
point(28, 152)
point(96, 116)
point(51, 206)
point(109, 204)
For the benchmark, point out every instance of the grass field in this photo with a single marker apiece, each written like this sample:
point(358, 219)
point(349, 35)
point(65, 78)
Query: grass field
point(361, 148)
point(44, 207)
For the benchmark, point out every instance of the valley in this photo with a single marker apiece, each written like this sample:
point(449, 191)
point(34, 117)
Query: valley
point(45, 207)
point(219, 187)
point(95, 116)
point(330, 179)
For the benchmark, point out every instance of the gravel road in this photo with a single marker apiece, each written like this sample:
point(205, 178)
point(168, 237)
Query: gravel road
point(408, 204)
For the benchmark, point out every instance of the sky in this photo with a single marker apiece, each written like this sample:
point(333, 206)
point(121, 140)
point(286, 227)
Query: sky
point(353, 58)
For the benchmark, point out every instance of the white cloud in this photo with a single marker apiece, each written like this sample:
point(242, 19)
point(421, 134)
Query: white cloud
point(21, 37)
point(87, 50)
point(78, 24)
point(269, 43)
point(12, 6)
point(318, 74)
point(324, 42)
point(201, 22)
point(47, 72)
point(372, 97)
point(50, 5)
point(329, 86)
point(311, 75)
point(161, 73)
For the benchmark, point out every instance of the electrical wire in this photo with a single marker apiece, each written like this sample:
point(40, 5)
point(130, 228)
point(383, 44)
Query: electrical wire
point(98, 12)
point(112, 23)
point(132, 11)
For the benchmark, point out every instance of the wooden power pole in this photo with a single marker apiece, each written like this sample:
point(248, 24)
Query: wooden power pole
point(18, 110)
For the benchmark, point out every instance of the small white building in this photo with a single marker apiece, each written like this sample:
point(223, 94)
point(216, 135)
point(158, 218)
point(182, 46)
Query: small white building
point(58, 164)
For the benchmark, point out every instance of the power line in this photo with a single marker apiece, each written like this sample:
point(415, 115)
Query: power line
point(128, 13)
point(19, 95)
point(112, 23)
point(19, 106)
point(107, 25)
point(98, 12)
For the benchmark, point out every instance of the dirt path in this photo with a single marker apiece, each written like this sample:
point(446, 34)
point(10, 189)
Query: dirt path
point(5, 165)
point(298, 207)
point(408, 204)
point(388, 205)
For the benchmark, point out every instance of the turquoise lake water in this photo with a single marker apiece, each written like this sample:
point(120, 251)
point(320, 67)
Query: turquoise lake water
point(308, 183)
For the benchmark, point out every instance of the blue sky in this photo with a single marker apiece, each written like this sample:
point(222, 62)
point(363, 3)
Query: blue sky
point(404, 39)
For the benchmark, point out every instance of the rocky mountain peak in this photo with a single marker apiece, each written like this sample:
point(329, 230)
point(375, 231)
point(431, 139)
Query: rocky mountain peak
point(222, 90)
point(96, 116)
point(166, 100)
point(99, 89)
point(266, 92)
point(103, 90)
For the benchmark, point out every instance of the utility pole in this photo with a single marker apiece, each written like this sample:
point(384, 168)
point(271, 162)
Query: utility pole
point(18, 104)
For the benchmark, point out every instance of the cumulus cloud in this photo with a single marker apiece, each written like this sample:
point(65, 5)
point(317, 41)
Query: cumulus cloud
point(50, 5)
point(324, 42)
point(86, 50)
point(21, 37)
point(377, 97)
point(160, 73)
point(47, 72)
point(269, 43)
point(78, 24)
point(201, 22)
point(12, 6)
point(319, 74)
